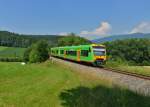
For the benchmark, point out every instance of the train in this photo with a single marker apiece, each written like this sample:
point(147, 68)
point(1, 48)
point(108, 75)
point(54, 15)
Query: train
point(92, 53)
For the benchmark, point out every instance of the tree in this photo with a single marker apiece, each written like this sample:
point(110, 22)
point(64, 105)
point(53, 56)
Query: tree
point(34, 56)
point(38, 52)
point(136, 51)
point(26, 54)
point(72, 39)
point(21, 40)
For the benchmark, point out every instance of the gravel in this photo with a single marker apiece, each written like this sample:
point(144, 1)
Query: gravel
point(135, 84)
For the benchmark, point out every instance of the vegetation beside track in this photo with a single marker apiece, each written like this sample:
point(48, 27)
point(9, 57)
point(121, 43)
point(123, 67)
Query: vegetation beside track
point(46, 85)
point(142, 70)
point(131, 55)
point(124, 66)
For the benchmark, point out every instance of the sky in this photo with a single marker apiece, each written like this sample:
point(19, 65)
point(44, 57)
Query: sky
point(88, 18)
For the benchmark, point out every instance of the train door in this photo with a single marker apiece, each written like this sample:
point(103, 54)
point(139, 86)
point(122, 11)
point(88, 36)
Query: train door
point(78, 55)
point(64, 53)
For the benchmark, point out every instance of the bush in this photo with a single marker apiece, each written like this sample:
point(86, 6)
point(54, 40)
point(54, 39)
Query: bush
point(146, 63)
point(116, 62)
point(34, 56)
point(38, 52)
point(26, 54)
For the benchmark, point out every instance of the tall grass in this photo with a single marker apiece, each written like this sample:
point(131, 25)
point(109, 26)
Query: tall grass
point(128, 67)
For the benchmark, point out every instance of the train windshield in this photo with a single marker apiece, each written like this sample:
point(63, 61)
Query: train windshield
point(99, 51)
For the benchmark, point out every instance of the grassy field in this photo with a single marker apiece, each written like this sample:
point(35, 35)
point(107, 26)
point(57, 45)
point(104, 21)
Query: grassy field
point(143, 70)
point(11, 52)
point(52, 85)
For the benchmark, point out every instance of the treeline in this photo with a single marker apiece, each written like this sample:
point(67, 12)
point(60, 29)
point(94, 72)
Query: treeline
point(10, 39)
point(134, 51)
point(72, 39)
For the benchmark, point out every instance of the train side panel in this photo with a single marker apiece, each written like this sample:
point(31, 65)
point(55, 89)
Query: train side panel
point(86, 53)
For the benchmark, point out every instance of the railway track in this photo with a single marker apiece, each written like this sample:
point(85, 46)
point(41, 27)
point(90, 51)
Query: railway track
point(128, 73)
point(120, 72)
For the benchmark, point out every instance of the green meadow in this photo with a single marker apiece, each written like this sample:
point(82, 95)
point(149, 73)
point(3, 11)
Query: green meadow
point(11, 52)
point(52, 85)
point(142, 70)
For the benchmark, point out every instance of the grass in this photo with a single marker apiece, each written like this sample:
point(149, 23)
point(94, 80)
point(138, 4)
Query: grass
point(53, 85)
point(11, 52)
point(142, 70)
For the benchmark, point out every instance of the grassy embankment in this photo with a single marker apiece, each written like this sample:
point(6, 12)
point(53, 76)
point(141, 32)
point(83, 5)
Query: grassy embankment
point(142, 70)
point(52, 85)
point(11, 52)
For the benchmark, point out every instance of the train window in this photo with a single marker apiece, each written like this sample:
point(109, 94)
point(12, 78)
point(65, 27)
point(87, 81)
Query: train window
point(61, 51)
point(56, 51)
point(84, 53)
point(72, 53)
point(99, 53)
point(89, 49)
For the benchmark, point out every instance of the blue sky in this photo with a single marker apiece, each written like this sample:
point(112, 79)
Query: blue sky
point(88, 18)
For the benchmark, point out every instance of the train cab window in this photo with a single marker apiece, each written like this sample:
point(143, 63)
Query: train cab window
point(84, 53)
point(99, 51)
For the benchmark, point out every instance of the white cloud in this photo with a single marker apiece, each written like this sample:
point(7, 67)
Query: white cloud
point(103, 29)
point(143, 27)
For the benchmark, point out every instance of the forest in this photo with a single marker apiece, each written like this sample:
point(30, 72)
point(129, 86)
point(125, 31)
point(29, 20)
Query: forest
point(134, 51)
point(10, 39)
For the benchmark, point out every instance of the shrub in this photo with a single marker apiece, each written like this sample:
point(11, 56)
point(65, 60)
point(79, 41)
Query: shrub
point(34, 56)
point(26, 54)
point(116, 62)
point(38, 52)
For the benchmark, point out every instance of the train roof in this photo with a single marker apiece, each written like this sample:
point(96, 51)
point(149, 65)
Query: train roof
point(81, 46)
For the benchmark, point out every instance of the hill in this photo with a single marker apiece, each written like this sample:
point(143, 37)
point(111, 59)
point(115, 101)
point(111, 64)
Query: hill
point(21, 40)
point(121, 37)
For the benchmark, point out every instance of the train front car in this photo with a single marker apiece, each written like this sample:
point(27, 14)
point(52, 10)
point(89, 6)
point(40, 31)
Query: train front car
point(99, 52)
